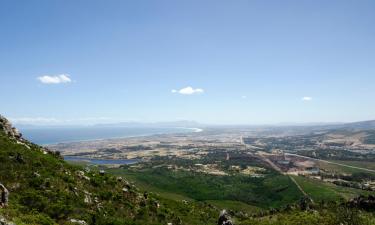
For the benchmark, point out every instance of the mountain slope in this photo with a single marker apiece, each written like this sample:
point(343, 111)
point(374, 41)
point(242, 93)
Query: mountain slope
point(361, 125)
point(44, 189)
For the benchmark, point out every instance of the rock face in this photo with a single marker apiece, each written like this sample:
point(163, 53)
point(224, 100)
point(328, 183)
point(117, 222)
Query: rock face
point(4, 196)
point(7, 127)
point(13, 133)
point(224, 218)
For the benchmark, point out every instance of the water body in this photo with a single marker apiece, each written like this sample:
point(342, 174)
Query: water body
point(101, 161)
point(48, 135)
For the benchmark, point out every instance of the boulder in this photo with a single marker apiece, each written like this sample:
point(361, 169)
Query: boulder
point(81, 222)
point(3, 221)
point(224, 218)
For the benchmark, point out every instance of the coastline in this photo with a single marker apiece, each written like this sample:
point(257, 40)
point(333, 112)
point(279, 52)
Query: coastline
point(178, 130)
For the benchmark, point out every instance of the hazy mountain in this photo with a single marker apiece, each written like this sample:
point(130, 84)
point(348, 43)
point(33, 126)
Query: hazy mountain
point(370, 124)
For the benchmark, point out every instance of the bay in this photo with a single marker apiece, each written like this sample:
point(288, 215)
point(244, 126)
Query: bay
point(55, 135)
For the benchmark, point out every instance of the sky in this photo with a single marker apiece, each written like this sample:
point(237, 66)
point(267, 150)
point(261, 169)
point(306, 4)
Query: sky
point(211, 61)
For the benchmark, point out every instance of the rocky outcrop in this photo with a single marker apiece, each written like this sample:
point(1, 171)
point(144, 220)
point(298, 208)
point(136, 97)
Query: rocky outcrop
point(4, 196)
point(13, 133)
point(224, 218)
point(81, 222)
point(8, 129)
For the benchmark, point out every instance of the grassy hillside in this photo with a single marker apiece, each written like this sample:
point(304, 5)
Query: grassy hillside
point(44, 189)
point(323, 191)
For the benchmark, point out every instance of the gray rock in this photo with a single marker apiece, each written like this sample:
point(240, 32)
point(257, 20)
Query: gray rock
point(81, 222)
point(3, 221)
point(8, 129)
point(224, 218)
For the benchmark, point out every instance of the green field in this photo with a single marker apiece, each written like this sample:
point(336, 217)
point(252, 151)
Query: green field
point(345, 169)
point(234, 205)
point(363, 164)
point(323, 191)
point(274, 190)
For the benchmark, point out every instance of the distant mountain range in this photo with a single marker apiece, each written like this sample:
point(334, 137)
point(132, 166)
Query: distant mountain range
point(182, 123)
point(171, 124)
point(361, 125)
point(370, 124)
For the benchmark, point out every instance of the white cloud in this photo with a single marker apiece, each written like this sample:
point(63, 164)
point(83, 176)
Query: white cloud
point(244, 96)
point(56, 79)
point(188, 91)
point(306, 98)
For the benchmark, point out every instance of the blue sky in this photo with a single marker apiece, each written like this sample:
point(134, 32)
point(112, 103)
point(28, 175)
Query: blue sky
point(227, 62)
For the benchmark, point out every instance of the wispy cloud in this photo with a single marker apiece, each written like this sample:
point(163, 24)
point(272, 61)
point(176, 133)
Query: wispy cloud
point(188, 91)
point(244, 97)
point(307, 98)
point(55, 79)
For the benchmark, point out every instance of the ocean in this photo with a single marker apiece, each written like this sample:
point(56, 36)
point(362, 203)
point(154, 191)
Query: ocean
point(48, 135)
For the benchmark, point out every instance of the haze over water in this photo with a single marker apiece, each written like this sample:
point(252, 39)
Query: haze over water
point(48, 135)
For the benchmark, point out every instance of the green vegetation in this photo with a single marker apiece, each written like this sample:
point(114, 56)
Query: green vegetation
point(346, 166)
point(44, 189)
point(334, 168)
point(271, 191)
point(235, 206)
point(318, 215)
point(323, 191)
point(362, 164)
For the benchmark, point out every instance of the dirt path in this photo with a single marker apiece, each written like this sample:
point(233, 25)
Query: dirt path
point(299, 187)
